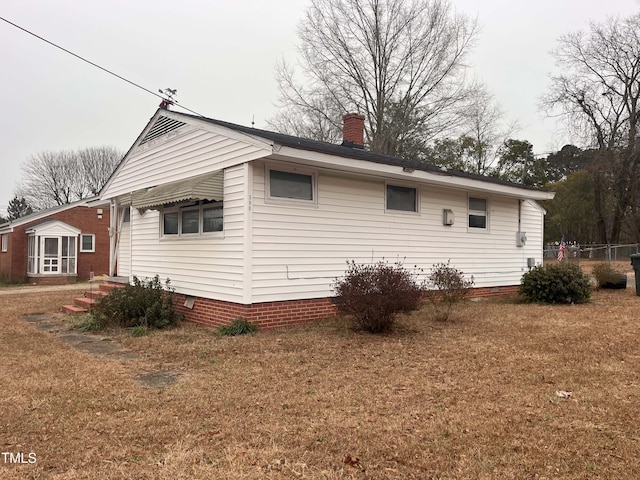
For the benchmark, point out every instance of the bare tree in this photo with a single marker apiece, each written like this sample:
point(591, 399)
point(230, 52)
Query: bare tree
point(58, 178)
point(598, 95)
point(401, 63)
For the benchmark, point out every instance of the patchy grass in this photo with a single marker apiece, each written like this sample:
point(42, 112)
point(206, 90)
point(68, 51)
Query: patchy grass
point(470, 399)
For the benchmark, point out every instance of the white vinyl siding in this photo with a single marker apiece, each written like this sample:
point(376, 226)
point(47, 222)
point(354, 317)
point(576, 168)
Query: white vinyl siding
point(209, 266)
point(124, 247)
point(181, 154)
point(298, 252)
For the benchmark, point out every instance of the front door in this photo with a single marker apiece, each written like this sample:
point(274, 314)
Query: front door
point(51, 258)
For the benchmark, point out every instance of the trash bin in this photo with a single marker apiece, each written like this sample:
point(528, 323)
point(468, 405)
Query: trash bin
point(635, 263)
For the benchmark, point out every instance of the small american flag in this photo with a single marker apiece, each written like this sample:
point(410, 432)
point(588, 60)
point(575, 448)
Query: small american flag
point(563, 246)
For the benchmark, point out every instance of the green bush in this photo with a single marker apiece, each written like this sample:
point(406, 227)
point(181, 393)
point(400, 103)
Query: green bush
point(374, 294)
point(557, 282)
point(239, 326)
point(447, 286)
point(145, 304)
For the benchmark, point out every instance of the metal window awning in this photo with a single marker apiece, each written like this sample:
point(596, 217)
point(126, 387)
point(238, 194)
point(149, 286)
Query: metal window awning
point(202, 187)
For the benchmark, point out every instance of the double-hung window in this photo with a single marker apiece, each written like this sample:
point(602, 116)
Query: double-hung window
point(87, 242)
point(478, 213)
point(194, 219)
point(5, 242)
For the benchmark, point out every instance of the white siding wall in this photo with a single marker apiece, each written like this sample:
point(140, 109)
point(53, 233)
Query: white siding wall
point(183, 153)
point(203, 266)
point(299, 250)
point(533, 224)
point(124, 250)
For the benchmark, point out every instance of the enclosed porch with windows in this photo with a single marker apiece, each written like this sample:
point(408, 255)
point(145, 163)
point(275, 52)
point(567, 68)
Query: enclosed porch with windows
point(52, 253)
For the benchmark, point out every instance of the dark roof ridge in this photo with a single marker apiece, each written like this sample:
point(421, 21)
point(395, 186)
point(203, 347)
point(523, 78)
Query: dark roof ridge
point(354, 153)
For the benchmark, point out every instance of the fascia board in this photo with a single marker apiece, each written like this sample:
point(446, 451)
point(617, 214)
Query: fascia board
point(393, 171)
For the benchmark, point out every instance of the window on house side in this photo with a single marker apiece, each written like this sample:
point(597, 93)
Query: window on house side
point(291, 185)
point(212, 219)
point(203, 217)
point(5, 242)
point(190, 221)
point(170, 223)
point(88, 242)
point(477, 212)
point(402, 198)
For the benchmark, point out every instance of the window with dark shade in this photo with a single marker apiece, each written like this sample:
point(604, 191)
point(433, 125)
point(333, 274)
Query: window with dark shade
point(170, 223)
point(477, 212)
point(196, 218)
point(190, 221)
point(402, 198)
point(290, 185)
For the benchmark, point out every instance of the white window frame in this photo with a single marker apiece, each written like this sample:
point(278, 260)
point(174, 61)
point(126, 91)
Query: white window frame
point(479, 213)
point(285, 200)
point(402, 185)
point(39, 263)
point(200, 207)
point(5, 242)
point(93, 243)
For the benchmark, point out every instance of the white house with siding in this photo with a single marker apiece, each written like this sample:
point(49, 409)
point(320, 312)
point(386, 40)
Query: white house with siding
point(256, 224)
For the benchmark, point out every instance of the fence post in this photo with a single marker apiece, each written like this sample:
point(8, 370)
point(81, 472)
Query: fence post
point(608, 253)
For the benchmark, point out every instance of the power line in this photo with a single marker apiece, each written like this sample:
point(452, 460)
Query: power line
point(93, 64)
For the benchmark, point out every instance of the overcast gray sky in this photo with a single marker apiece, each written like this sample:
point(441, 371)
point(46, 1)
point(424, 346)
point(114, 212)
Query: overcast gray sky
point(220, 56)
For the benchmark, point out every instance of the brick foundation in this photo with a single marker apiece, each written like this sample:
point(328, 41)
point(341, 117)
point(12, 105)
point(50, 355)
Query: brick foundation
point(215, 313)
point(484, 292)
point(52, 279)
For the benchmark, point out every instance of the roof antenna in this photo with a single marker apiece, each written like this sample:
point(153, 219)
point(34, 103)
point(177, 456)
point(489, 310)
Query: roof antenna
point(253, 120)
point(168, 98)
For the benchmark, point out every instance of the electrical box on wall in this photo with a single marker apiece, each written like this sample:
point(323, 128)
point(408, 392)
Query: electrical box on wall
point(521, 239)
point(531, 262)
point(447, 216)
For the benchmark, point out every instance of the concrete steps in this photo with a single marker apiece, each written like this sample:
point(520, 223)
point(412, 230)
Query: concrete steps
point(86, 303)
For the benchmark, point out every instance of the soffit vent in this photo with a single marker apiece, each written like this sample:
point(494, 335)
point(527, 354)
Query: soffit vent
point(162, 126)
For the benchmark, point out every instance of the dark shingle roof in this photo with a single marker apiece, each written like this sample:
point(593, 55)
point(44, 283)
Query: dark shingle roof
point(355, 153)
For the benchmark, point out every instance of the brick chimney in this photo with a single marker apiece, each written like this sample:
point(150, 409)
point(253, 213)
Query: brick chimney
point(353, 130)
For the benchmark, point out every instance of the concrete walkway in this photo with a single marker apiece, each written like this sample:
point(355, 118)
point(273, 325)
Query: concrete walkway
point(47, 288)
point(100, 347)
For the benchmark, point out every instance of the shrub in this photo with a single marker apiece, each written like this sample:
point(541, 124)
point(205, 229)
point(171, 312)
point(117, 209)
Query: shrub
point(239, 326)
point(608, 277)
point(145, 304)
point(557, 282)
point(447, 286)
point(374, 294)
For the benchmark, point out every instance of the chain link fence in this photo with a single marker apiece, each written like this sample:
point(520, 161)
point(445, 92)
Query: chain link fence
point(575, 252)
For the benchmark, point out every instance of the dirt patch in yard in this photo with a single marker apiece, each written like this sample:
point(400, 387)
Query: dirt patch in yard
point(483, 396)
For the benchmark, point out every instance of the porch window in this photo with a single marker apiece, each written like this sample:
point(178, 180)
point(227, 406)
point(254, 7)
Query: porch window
point(477, 212)
point(51, 255)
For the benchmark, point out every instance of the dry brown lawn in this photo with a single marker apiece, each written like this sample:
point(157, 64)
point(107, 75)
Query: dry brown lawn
point(472, 398)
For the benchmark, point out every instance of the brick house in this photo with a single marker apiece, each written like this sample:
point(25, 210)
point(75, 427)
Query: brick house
point(56, 246)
